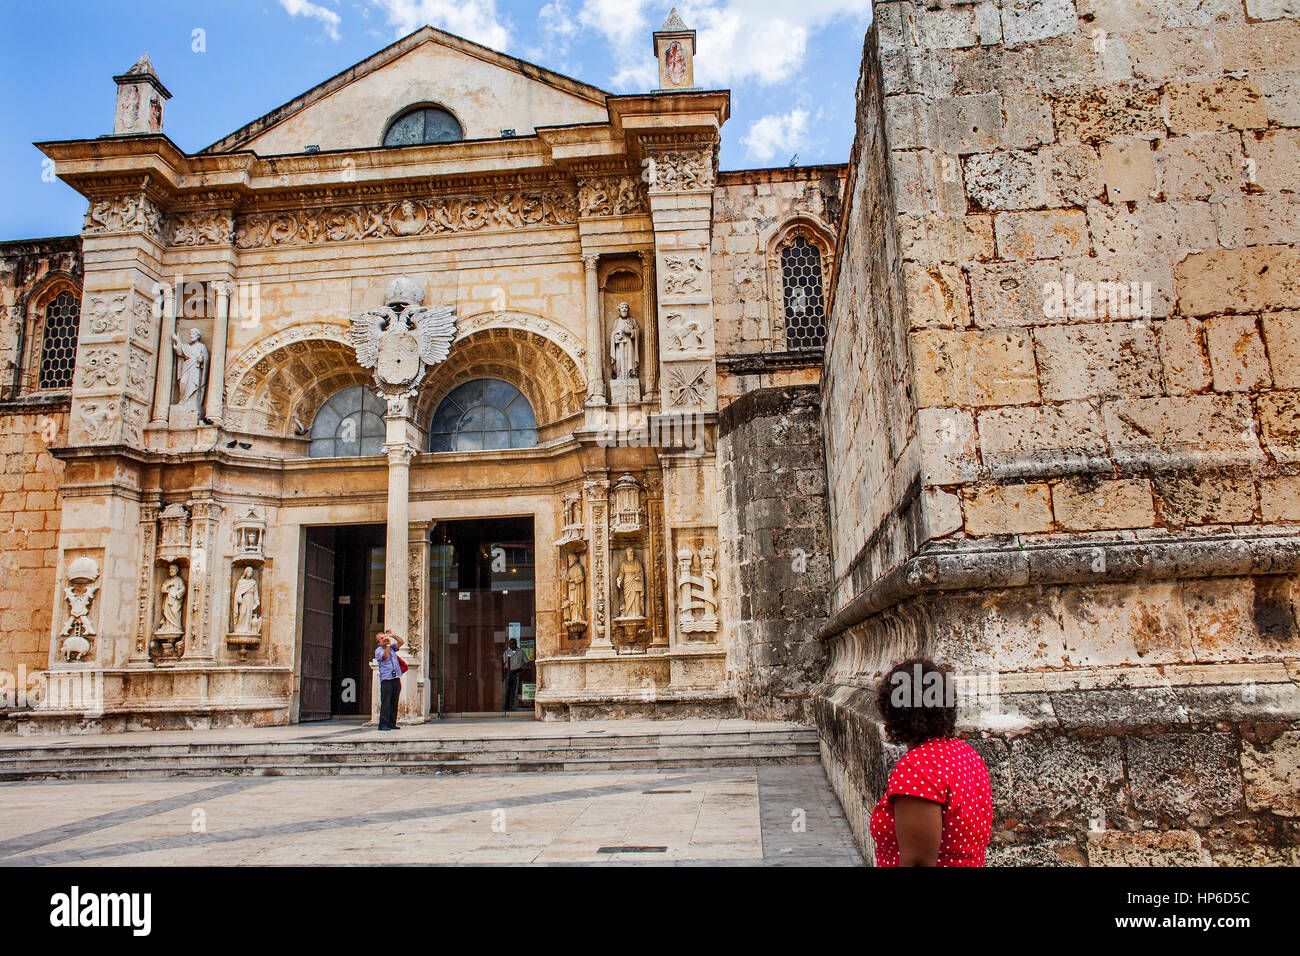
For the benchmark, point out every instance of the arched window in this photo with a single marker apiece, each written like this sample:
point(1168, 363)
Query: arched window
point(59, 341)
point(349, 425)
point(423, 125)
point(804, 294)
point(482, 415)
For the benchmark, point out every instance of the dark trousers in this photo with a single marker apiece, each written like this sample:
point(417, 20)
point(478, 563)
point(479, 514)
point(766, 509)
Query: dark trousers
point(513, 680)
point(389, 693)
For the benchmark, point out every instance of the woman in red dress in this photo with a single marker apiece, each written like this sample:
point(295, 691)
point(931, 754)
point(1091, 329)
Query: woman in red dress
point(938, 808)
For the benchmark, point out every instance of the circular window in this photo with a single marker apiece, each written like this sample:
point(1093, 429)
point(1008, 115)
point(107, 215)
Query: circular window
point(481, 415)
point(423, 125)
point(349, 425)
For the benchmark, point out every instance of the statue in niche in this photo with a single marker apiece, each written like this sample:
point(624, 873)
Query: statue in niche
point(625, 344)
point(625, 357)
point(247, 604)
point(173, 605)
point(83, 585)
point(575, 593)
point(192, 373)
point(631, 586)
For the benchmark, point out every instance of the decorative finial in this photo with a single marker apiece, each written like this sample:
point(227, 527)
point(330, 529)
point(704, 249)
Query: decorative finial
point(673, 23)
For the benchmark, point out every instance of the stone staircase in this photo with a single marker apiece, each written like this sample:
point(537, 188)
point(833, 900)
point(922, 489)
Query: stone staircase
point(93, 759)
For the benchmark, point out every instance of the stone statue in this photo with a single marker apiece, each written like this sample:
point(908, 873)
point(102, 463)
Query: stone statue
point(83, 585)
point(247, 603)
point(173, 606)
point(191, 376)
point(631, 586)
point(625, 344)
point(575, 593)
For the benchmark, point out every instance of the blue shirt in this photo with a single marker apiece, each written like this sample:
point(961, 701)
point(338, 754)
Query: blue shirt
point(389, 669)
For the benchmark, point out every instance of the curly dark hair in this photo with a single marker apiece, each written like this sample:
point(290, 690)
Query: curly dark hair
point(911, 715)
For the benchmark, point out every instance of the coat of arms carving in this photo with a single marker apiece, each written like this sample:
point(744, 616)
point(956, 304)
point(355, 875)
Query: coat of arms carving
point(403, 339)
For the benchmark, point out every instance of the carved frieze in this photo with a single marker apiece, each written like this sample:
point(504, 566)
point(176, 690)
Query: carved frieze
point(690, 385)
point(409, 217)
point(204, 227)
point(681, 274)
point(104, 313)
point(678, 170)
point(100, 368)
point(125, 214)
point(612, 196)
point(97, 422)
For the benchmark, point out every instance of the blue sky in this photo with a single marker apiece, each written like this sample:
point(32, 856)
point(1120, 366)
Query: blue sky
point(791, 66)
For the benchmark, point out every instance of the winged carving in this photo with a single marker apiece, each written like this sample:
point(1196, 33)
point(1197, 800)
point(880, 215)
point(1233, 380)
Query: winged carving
point(434, 330)
point(366, 333)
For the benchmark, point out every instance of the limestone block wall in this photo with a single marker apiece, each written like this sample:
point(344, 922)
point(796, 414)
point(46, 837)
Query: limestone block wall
point(1083, 215)
point(775, 548)
point(29, 476)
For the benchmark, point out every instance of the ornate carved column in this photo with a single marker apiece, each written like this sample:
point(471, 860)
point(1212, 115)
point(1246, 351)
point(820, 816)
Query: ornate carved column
point(205, 516)
point(650, 330)
point(139, 656)
point(397, 564)
point(162, 391)
point(213, 407)
point(598, 500)
point(595, 337)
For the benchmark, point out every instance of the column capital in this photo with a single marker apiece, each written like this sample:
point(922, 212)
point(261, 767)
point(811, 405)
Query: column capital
point(590, 260)
point(400, 455)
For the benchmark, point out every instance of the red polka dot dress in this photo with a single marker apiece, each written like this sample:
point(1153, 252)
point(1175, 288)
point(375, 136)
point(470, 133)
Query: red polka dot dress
point(949, 772)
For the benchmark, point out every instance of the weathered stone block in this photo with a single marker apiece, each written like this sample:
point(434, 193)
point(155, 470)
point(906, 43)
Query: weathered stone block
point(1129, 169)
point(1006, 179)
point(1108, 113)
point(1271, 767)
point(1184, 774)
point(1239, 280)
point(935, 238)
point(1010, 509)
point(1096, 360)
point(1048, 234)
point(1182, 354)
point(1092, 506)
point(936, 295)
point(1279, 421)
point(1067, 779)
point(1183, 430)
point(1279, 499)
point(1026, 21)
point(1237, 354)
point(1226, 103)
point(1274, 163)
point(1146, 848)
point(1192, 500)
point(1198, 167)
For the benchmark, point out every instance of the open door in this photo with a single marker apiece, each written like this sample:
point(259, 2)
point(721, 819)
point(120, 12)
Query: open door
point(314, 700)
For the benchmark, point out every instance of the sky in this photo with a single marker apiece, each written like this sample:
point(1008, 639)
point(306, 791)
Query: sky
point(791, 65)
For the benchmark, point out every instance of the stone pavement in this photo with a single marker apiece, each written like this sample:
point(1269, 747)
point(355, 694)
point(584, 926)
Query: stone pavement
point(747, 815)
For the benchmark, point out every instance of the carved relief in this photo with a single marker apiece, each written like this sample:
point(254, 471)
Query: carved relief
point(142, 319)
point(690, 385)
point(572, 532)
point(125, 214)
point(612, 196)
point(629, 512)
point(175, 541)
point(679, 170)
point(686, 332)
point(597, 494)
point(203, 228)
point(100, 368)
point(99, 421)
point(683, 274)
point(246, 613)
point(416, 578)
point(105, 313)
point(410, 217)
point(137, 372)
point(83, 585)
point(144, 599)
point(697, 591)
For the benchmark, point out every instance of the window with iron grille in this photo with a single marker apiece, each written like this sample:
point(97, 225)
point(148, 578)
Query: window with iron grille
point(805, 296)
point(59, 341)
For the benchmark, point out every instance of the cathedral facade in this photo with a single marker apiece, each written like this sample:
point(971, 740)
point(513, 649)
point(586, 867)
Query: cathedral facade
point(439, 347)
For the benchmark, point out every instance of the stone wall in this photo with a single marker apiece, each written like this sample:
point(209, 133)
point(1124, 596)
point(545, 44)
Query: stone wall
point(750, 208)
point(30, 423)
point(775, 548)
point(1090, 209)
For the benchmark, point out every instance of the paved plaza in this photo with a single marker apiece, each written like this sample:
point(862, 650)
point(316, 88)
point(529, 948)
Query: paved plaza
point(760, 815)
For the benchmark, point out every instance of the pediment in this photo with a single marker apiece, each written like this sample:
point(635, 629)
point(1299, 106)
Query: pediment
point(486, 91)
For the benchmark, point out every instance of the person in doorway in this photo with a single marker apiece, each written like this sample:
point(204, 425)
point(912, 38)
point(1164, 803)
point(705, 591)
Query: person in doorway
point(938, 807)
point(390, 678)
point(513, 661)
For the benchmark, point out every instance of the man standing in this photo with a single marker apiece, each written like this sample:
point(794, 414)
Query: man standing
point(390, 678)
point(514, 661)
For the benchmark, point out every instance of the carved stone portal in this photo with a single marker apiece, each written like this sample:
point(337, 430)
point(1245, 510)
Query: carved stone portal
point(83, 585)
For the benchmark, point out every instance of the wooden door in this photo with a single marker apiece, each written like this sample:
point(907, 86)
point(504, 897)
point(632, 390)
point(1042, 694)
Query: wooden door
point(314, 702)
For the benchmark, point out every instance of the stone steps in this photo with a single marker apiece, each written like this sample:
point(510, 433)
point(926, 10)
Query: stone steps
point(425, 756)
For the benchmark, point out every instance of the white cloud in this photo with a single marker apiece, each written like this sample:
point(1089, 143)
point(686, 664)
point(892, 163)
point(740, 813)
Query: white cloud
point(305, 8)
point(475, 20)
point(777, 134)
point(762, 40)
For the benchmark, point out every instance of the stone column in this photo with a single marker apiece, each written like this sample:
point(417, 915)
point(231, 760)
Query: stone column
point(401, 449)
point(213, 406)
point(162, 392)
point(595, 336)
point(649, 324)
